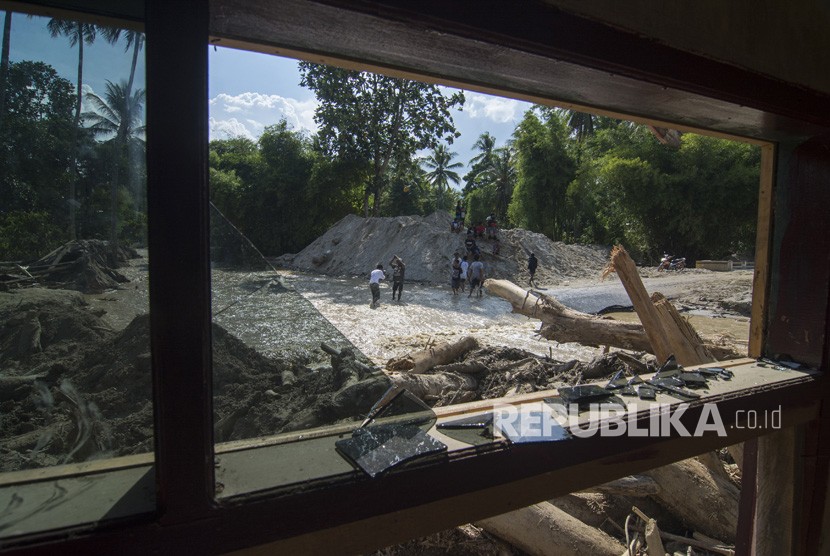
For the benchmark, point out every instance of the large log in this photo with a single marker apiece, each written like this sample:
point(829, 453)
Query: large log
point(441, 354)
point(634, 485)
point(703, 500)
point(684, 340)
point(625, 268)
point(543, 529)
point(668, 333)
point(566, 325)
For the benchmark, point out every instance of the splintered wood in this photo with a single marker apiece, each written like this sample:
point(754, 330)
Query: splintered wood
point(667, 331)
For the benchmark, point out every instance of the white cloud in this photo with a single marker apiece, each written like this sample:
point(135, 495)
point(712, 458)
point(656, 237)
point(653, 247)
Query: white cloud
point(263, 110)
point(498, 109)
point(226, 129)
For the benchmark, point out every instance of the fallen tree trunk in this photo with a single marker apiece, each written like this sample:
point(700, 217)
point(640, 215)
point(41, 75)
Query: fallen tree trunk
point(703, 500)
point(457, 387)
point(667, 332)
point(587, 507)
point(683, 338)
point(566, 325)
point(441, 354)
point(544, 529)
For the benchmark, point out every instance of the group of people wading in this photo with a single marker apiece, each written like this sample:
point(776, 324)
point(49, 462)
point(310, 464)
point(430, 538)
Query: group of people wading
point(464, 270)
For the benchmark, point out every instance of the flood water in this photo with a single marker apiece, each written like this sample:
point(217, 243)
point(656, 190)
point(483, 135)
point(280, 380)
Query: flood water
point(279, 311)
point(257, 308)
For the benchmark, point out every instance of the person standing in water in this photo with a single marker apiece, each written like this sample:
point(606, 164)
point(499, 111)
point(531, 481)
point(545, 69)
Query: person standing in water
point(532, 263)
point(455, 274)
point(476, 276)
point(398, 269)
point(374, 284)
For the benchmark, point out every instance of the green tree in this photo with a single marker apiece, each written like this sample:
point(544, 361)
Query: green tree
point(502, 174)
point(118, 117)
point(280, 192)
point(697, 199)
point(78, 34)
point(442, 172)
point(409, 190)
point(375, 120)
point(133, 40)
point(36, 138)
point(544, 171)
point(36, 147)
point(480, 163)
point(580, 123)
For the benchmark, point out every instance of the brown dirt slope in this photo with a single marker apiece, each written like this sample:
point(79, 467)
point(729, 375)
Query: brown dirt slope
point(355, 245)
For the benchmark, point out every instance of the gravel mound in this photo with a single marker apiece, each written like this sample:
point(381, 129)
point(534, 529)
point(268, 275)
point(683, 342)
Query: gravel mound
point(356, 245)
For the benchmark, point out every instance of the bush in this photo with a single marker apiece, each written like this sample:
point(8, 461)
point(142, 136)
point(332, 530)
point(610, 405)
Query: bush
point(27, 236)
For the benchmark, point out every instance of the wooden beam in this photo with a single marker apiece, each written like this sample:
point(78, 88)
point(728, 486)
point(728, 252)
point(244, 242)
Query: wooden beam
point(180, 309)
point(774, 529)
point(763, 237)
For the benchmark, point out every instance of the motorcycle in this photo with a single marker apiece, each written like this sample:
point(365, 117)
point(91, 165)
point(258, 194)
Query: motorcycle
point(670, 263)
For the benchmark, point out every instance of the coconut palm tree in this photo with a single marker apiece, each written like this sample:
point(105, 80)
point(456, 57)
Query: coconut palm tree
point(442, 170)
point(78, 34)
point(117, 113)
point(134, 40)
point(117, 116)
point(479, 164)
point(581, 124)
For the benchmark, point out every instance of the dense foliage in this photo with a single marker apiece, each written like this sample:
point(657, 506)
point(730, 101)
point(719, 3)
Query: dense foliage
point(374, 120)
point(382, 148)
point(67, 174)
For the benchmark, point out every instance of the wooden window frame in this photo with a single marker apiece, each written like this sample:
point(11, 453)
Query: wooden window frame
point(359, 514)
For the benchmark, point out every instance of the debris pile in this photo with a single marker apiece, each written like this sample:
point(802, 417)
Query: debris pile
point(86, 265)
point(73, 389)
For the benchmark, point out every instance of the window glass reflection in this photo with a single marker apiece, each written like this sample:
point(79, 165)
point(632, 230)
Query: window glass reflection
point(75, 381)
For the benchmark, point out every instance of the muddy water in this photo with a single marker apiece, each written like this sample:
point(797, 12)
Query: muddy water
point(272, 311)
point(275, 312)
point(259, 310)
point(424, 313)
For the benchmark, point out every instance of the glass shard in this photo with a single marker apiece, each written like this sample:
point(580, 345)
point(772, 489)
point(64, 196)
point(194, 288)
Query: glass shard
point(377, 448)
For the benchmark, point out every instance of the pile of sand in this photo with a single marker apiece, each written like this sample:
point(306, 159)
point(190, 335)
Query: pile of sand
point(355, 245)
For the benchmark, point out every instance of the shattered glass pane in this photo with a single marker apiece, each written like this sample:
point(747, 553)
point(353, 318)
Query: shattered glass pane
point(377, 448)
point(475, 430)
point(279, 366)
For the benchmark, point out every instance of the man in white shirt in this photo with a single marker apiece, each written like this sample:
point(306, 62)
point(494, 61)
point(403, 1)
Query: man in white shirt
point(374, 284)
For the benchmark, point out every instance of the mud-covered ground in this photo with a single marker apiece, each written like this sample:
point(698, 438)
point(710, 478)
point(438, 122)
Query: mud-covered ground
point(75, 376)
point(295, 350)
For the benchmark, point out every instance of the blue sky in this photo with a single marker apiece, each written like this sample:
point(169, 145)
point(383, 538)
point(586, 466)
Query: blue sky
point(250, 90)
point(247, 90)
point(30, 40)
